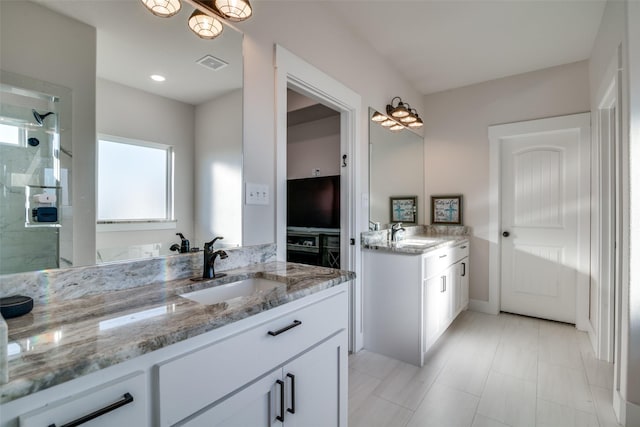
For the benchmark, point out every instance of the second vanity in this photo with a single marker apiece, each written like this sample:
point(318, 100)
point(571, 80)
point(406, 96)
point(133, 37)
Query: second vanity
point(415, 288)
point(155, 356)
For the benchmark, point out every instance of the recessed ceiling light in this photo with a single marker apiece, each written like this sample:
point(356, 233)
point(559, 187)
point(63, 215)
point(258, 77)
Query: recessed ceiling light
point(158, 78)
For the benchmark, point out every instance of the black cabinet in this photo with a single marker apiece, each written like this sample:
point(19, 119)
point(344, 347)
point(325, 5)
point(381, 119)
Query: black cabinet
point(314, 246)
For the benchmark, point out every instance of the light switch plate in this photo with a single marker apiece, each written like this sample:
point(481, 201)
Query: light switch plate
point(257, 194)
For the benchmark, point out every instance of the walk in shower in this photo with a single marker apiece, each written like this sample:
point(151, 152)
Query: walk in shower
point(34, 188)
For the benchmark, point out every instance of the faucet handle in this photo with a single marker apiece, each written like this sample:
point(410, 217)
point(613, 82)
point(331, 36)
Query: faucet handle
point(209, 245)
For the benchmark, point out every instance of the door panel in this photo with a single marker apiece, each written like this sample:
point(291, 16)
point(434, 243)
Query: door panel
point(540, 213)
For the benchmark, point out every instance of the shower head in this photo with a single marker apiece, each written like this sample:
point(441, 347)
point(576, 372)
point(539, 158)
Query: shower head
point(40, 117)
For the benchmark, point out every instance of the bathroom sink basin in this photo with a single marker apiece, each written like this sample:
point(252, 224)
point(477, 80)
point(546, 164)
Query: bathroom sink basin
point(228, 291)
point(417, 242)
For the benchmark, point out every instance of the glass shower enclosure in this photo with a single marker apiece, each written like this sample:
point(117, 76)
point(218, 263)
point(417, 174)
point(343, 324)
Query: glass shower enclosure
point(33, 186)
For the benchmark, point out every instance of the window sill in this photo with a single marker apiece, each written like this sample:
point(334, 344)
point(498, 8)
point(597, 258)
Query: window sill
point(109, 226)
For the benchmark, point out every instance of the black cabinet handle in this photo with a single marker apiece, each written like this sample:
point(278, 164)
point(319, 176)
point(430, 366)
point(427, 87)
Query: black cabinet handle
point(293, 394)
point(126, 399)
point(443, 256)
point(464, 269)
point(281, 416)
point(285, 329)
point(463, 247)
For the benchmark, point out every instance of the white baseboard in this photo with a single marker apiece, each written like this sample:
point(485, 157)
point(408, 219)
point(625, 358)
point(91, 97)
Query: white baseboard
point(633, 415)
point(627, 413)
point(481, 306)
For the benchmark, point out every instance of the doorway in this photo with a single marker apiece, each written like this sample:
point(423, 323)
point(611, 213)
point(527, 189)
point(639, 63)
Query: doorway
point(295, 74)
point(541, 217)
point(313, 182)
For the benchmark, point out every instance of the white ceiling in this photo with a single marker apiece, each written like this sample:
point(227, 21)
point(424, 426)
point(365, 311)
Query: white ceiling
point(132, 44)
point(439, 45)
point(435, 45)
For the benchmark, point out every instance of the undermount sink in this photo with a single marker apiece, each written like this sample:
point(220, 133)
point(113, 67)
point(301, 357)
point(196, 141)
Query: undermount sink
point(228, 291)
point(417, 242)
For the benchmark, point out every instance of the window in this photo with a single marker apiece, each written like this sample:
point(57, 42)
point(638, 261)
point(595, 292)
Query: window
point(11, 135)
point(135, 181)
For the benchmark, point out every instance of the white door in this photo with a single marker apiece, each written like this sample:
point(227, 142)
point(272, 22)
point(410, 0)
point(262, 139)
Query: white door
point(543, 215)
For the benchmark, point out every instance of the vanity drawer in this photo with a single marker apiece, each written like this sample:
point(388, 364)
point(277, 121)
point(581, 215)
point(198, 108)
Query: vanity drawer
point(437, 261)
point(193, 381)
point(461, 251)
point(121, 402)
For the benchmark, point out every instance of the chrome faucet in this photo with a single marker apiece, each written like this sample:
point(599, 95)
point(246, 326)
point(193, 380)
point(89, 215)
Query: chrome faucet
point(397, 232)
point(208, 271)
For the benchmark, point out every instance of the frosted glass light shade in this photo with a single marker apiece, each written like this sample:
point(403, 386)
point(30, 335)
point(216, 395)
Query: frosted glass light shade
point(417, 124)
point(379, 117)
point(400, 111)
point(234, 10)
point(163, 8)
point(205, 26)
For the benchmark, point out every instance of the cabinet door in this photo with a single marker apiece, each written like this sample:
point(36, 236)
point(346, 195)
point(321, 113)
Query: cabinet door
point(316, 386)
point(447, 298)
point(432, 310)
point(256, 405)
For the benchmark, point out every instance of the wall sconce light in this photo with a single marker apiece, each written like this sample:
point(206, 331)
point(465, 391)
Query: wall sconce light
point(398, 117)
point(205, 21)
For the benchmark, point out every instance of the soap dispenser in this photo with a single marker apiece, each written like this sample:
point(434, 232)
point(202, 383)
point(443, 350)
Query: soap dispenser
point(184, 244)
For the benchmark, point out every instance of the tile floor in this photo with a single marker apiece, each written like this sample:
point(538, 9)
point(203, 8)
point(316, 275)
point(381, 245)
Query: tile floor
point(487, 371)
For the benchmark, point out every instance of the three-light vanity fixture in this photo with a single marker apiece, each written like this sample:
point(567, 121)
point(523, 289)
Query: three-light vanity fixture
point(398, 117)
point(205, 19)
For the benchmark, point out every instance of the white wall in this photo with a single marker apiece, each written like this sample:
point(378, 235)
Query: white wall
point(73, 65)
point(457, 144)
point(310, 32)
point(131, 113)
point(314, 145)
point(218, 170)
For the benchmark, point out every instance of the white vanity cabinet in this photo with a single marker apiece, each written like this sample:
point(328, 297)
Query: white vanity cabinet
point(410, 300)
point(303, 353)
point(302, 393)
point(235, 375)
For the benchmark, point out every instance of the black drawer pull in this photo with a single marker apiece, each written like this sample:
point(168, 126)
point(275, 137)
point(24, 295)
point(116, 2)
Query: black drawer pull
point(285, 329)
point(281, 416)
point(293, 394)
point(464, 269)
point(463, 247)
point(126, 399)
point(443, 256)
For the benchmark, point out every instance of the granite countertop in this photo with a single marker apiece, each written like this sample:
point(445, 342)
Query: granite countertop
point(60, 341)
point(417, 244)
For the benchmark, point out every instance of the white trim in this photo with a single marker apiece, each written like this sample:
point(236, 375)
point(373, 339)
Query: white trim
point(496, 133)
point(293, 72)
point(604, 214)
point(627, 413)
point(109, 226)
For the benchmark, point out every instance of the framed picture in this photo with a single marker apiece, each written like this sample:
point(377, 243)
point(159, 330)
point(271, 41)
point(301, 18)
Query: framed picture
point(404, 209)
point(446, 209)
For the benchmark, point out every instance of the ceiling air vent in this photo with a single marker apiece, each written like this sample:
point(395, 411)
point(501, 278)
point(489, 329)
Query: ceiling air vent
point(212, 63)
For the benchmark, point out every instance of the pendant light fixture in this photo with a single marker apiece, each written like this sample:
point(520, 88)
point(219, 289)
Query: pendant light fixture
point(399, 116)
point(163, 8)
point(205, 26)
point(206, 20)
point(234, 10)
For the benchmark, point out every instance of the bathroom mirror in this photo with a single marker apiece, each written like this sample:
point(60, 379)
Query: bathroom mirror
point(197, 111)
point(396, 169)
